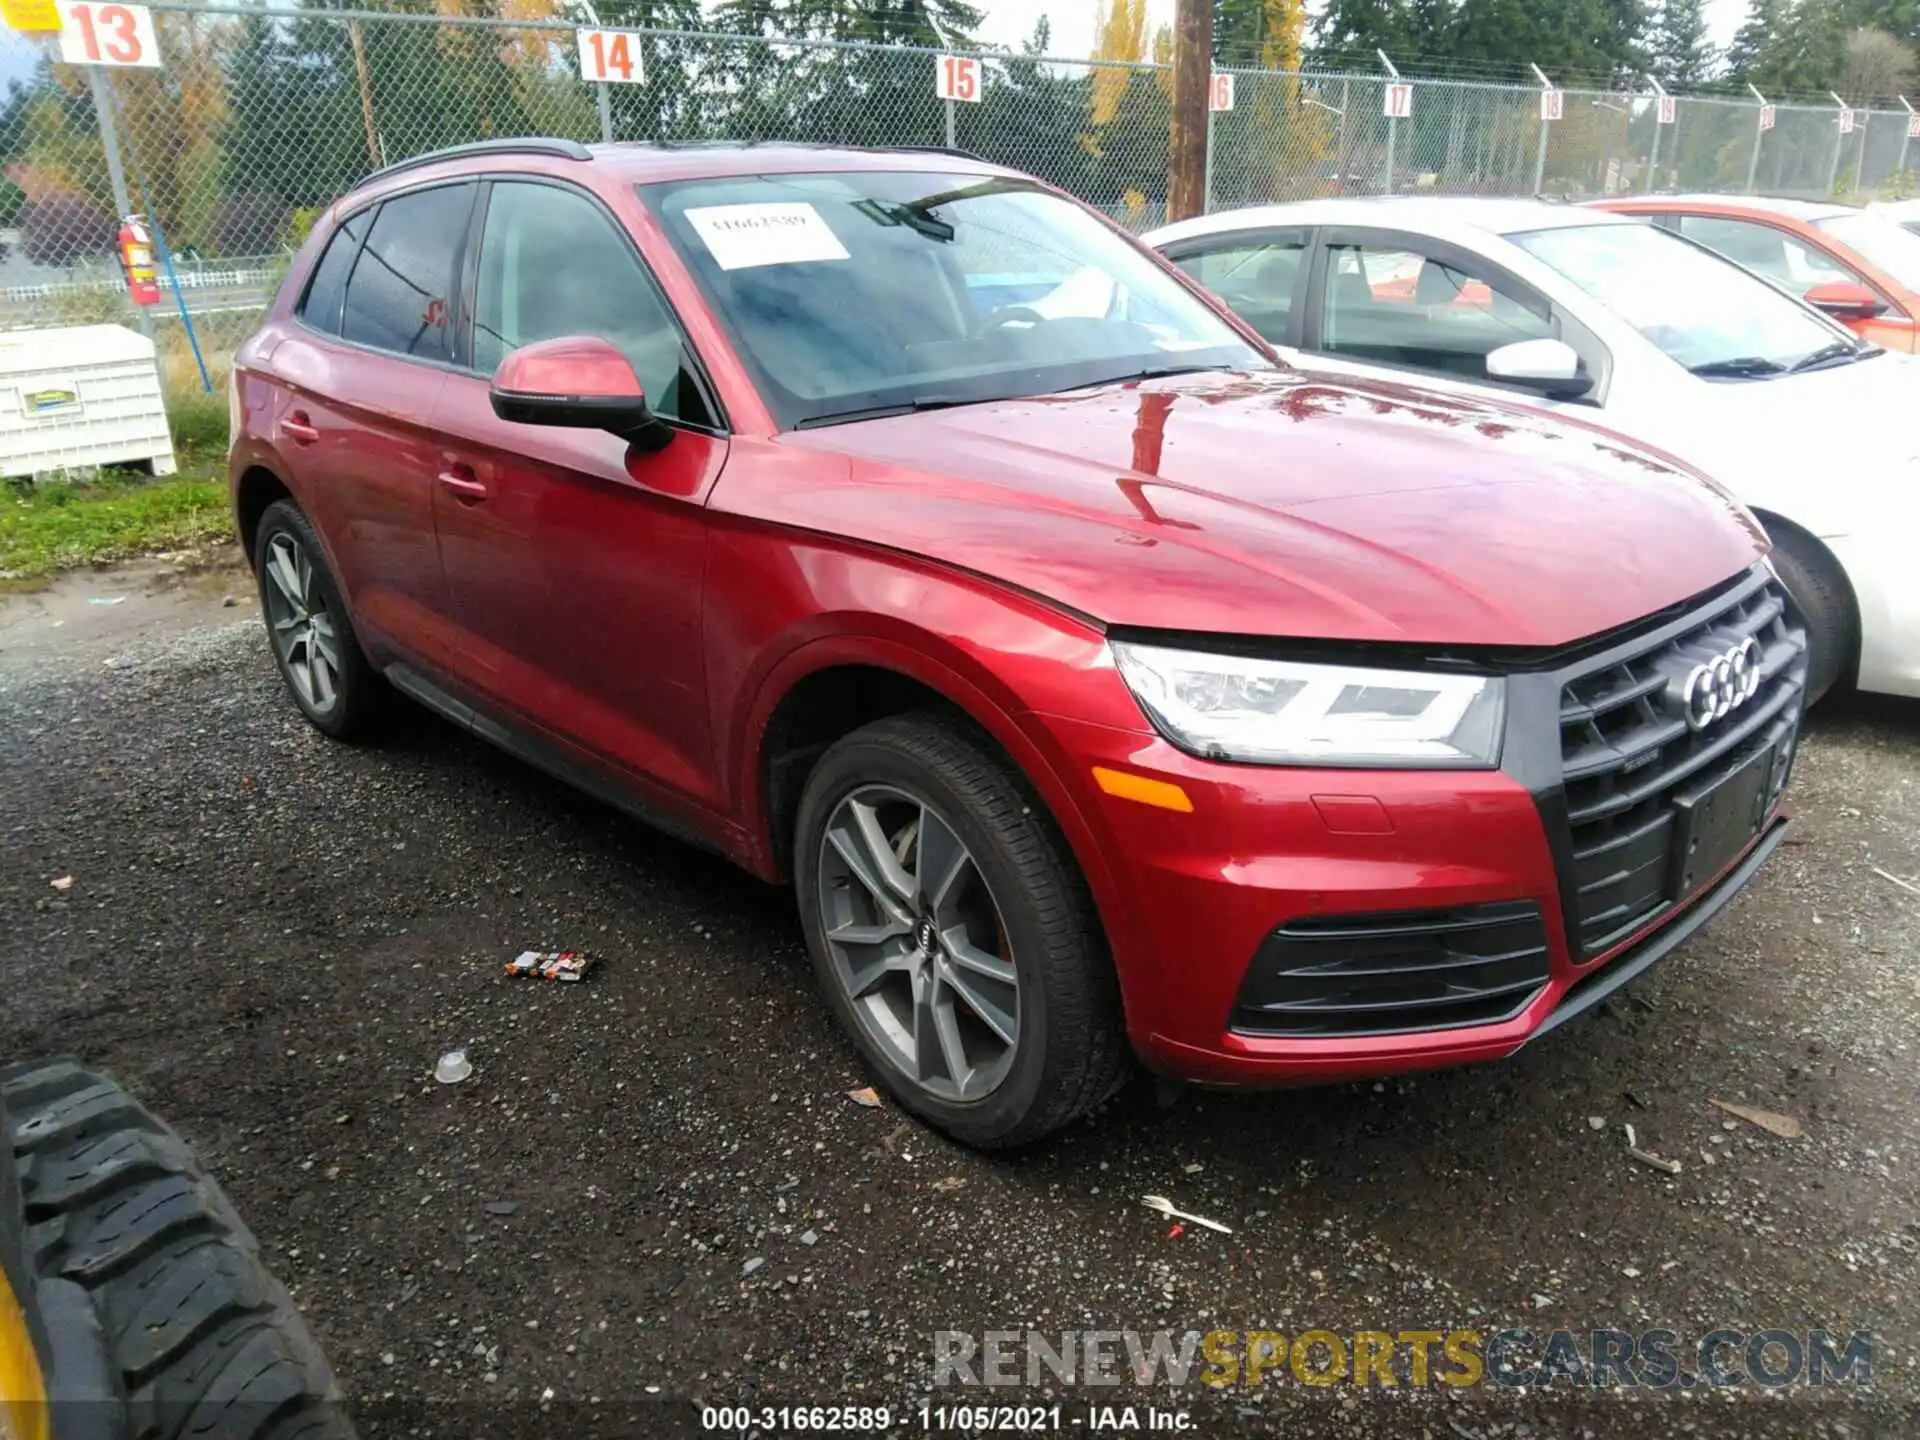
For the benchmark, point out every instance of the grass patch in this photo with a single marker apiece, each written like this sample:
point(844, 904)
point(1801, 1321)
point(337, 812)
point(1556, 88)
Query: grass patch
point(60, 525)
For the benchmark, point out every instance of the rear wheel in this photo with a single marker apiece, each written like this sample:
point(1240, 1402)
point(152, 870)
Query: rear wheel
point(953, 933)
point(1825, 599)
point(314, 646)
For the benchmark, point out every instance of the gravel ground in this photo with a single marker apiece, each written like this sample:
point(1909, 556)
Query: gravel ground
point(272, 937)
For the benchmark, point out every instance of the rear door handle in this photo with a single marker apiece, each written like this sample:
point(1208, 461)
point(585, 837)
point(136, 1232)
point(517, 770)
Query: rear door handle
point(464, 484)
point(299, 429)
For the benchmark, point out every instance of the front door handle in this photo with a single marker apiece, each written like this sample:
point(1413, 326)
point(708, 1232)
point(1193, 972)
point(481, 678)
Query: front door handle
point(465, 485)
point(299, 429)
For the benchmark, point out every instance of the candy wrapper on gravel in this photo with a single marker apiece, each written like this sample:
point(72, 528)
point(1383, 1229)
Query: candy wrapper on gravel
point(563, 965)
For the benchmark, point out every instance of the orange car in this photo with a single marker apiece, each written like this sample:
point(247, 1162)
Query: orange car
point(1860, 267)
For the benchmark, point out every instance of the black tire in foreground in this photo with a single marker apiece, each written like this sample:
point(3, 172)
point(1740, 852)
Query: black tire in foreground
point(158, 1317)
point(1826, 602)
point(308, 628)
point(1030, 918)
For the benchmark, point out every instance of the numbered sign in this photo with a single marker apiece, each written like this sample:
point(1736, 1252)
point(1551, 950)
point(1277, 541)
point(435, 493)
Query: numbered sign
point(1553, 104)
point(1399, 103)
point(957, 77)
point(611, 57)
point(1669, 109)
point(1846, 122)
point(1766, 117)
point(1220, 92)
point(1913, 127)
point(93, 34)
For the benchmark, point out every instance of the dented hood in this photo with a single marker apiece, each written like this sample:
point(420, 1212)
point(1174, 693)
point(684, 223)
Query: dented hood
point(1280, 504)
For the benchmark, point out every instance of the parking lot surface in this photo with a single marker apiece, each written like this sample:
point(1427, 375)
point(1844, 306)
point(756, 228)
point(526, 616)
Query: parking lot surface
point(271, 938)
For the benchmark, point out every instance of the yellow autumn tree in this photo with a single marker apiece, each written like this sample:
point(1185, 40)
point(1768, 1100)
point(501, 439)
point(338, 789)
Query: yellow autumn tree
point(1122, 36)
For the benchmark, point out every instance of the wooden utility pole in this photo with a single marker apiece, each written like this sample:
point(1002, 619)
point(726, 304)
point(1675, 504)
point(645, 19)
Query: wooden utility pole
point(1192, 80)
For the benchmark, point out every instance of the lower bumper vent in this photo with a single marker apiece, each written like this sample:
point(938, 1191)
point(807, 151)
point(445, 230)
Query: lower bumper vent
point(1389, 974)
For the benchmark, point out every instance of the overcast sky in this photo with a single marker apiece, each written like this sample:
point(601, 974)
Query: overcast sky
point(1009, 22)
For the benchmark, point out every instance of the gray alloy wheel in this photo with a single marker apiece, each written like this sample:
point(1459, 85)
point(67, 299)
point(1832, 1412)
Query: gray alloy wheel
point(916, 943)
point(303, 629)
point(314, 644)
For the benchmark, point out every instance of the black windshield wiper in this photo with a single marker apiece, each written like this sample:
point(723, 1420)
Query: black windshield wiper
point(1847, 350)
point(902, 407)
point(1739, 367)
point(1160, 372)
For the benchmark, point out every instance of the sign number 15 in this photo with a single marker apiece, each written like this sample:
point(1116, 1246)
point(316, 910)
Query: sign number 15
point(107, 35)
point(957, 77)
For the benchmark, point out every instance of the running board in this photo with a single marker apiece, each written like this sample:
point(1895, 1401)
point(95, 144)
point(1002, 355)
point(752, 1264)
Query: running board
point(542, 754)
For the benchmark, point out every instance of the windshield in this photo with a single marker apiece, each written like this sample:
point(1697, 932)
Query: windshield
point(1892, 247)
point(1705, 312)
point(855, 293)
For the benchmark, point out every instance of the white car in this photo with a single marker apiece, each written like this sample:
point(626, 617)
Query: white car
point(1619, 322)
point(1904, 213)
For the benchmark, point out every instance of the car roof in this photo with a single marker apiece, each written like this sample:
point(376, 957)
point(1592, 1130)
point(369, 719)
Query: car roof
point(1437, 215)
point(1807, 210)
point(646, 162)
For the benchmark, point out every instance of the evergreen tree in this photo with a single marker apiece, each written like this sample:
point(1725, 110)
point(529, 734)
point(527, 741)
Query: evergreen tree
point(1751, 39)
point(1678, 49)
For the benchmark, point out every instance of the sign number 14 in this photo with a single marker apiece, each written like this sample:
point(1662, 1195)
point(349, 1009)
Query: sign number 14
point(611, 56)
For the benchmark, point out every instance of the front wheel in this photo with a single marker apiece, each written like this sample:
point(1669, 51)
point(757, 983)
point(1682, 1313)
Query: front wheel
point(1825, 599)
point(953, 933)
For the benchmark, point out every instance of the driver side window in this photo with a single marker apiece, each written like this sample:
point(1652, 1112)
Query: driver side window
point(1769, 253)
point(1393, 306)
point(552, 264)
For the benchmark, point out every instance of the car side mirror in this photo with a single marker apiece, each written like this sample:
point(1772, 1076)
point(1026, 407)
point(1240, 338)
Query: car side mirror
point(1844, 300)
point(1550, 366)
point(580, 381)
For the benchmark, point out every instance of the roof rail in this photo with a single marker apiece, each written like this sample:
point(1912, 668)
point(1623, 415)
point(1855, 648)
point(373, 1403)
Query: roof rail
point(934, 150)
point(524, 145)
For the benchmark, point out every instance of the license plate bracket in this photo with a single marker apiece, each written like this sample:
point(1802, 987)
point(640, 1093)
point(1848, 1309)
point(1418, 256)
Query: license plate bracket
point(1715, 821)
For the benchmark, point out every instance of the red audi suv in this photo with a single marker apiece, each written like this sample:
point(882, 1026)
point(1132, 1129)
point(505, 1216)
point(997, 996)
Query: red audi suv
point(897, 526)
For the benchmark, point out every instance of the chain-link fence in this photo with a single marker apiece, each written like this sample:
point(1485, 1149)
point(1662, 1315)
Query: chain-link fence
point(255, 118)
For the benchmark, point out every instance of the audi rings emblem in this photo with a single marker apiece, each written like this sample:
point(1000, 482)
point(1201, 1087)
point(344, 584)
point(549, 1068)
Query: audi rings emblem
point(1715, 687)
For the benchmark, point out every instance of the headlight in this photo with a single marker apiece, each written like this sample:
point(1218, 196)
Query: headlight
point(1277, 712)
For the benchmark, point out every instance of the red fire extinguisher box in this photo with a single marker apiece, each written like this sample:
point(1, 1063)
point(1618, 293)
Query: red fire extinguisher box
point(136, 262)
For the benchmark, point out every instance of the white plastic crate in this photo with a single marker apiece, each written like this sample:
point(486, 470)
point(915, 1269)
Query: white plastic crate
point(79, 397)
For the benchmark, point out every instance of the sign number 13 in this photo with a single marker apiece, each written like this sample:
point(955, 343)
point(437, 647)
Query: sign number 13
point(107, 35)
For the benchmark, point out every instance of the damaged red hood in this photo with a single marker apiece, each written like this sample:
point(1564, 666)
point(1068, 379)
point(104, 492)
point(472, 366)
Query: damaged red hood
point(1278, 504)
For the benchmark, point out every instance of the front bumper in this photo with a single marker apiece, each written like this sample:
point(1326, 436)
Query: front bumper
point(1516, 897)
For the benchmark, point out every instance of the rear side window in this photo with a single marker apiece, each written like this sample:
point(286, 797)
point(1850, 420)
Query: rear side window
point(1256, 278)
point(400, 293)
point(328, 285)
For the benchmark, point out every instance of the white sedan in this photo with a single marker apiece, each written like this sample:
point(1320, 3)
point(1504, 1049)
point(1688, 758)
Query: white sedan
point(1618, 322)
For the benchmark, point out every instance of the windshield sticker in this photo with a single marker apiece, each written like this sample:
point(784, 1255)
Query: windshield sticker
point(743, 236)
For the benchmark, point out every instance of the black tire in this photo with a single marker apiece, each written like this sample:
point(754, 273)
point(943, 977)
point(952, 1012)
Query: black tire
point(350, 711)
point(1071, 1052)
point(138, 1259)
point(1825, 600)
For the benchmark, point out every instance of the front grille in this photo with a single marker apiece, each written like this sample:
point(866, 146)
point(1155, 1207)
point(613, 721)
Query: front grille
point(1629, 759)
point(1383, 974)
